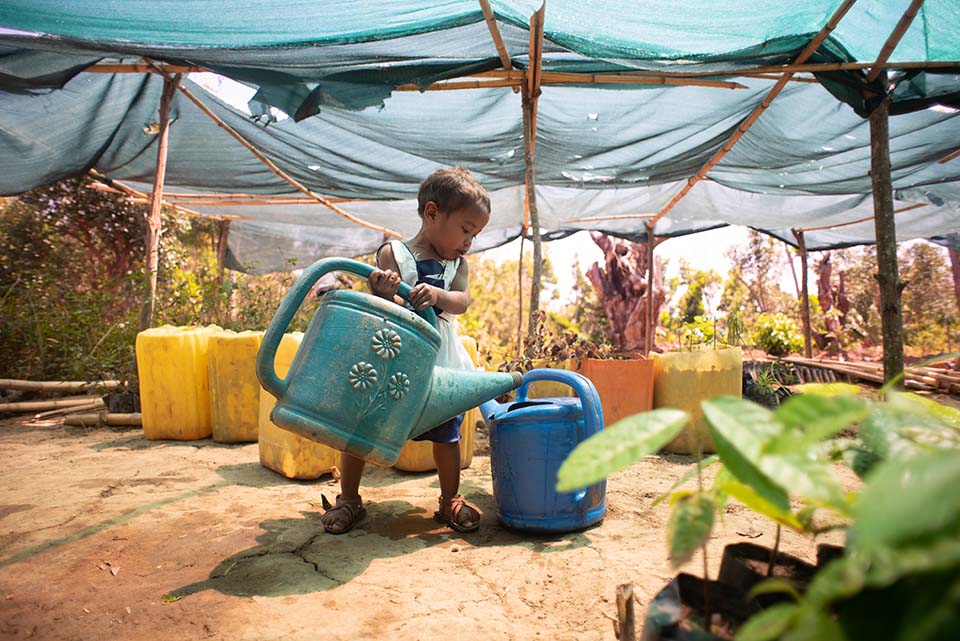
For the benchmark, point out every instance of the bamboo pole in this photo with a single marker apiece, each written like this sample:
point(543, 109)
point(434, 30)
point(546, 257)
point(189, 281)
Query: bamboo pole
point(57, 386)
point(590, 219)
point(42, 406)
point(530, 92)
point(949, 157)
point(804, 294)
point(102, 418)
point(808, 51)
point(156, 201)
point(767, 71)
point(491, 21)
point(71, 410)
point(893, 39)
point(276, 170)
point(861, 220)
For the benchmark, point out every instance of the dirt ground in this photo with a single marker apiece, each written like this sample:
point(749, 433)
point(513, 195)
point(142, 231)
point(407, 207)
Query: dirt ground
point(106, 535)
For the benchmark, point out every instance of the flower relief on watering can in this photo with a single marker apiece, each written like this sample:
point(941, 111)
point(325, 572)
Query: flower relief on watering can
point(365, 379)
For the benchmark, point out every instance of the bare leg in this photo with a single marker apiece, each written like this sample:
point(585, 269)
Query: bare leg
point(351, 471)
point(447, 458)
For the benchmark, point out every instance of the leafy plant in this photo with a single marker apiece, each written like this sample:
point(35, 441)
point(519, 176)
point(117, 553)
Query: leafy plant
point(552, 343)
point(776, 334)
point(902, 558)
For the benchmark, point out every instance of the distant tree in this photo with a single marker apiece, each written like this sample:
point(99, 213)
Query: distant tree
point(759, 266)
point(622, 287)
point(494, 313)
point(930, 319)
point(700, 286)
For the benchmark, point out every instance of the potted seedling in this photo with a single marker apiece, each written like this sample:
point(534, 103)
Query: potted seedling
point(761, 453)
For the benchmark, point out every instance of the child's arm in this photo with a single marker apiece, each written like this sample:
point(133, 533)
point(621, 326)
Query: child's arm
point(456, 300)
point(385, 280)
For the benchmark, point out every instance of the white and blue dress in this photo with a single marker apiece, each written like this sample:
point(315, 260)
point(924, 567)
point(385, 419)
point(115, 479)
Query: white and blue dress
point(438, 273)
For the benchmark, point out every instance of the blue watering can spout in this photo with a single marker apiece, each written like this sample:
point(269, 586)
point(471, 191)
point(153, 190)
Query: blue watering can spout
point(487, 410)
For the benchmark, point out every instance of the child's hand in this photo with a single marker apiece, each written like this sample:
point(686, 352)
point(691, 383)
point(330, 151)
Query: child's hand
point(423, 296)
point(384, 283)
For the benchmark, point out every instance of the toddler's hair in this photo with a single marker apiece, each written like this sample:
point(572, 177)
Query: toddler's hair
point(452, 189)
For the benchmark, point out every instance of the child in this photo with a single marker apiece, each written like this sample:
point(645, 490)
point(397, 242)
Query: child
point(453, 209)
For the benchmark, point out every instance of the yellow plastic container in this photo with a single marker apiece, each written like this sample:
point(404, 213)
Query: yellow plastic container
point(684, 379)
point(234, 388)
point(417, 456)
point(174, 382)
point(286, 453)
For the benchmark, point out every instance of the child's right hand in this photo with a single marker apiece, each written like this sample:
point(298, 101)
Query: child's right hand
point(384, 282)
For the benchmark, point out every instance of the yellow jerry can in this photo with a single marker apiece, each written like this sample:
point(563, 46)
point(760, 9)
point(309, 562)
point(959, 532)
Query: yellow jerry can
point(286, 453)
point(234, 388)
point(174, 382)
point(417, 456)
point(684, 379)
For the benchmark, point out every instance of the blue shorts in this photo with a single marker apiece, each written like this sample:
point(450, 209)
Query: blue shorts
point(448, 432)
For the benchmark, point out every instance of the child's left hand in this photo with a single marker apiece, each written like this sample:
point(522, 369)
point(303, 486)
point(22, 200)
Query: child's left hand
point(423, 296)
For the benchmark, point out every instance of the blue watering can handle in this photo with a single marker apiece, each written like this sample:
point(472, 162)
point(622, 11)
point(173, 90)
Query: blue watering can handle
point(589, 401)
point(291, 303)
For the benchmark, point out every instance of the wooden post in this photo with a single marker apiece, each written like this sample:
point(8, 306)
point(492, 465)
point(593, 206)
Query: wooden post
point(891, 313)
point(804, 294)
point(626, 627)
point(648, 330)
point(530, 92)
point(156, 201)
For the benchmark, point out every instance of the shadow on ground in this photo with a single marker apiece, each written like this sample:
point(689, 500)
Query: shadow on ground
point(295, 556)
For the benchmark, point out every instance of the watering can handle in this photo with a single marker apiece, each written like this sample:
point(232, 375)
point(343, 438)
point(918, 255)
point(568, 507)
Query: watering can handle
point(589, 400)
point(291, 303)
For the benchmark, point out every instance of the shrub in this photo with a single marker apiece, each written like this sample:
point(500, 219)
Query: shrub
point(776, 334)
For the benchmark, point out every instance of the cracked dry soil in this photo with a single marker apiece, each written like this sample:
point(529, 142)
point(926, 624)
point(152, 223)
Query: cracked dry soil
point(105, 535)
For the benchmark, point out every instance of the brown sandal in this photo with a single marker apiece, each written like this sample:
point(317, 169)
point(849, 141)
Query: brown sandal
point(354, 510)
point(454, 520)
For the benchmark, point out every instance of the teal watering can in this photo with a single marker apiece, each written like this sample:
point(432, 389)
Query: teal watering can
point(364, 378)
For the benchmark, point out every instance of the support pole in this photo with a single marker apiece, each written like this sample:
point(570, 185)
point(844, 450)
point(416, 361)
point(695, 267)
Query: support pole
point(530, 92)
point(156, 201)
point(891, 313)
point(531, 186)
point(804, 294)
point(223, 298)
point(648, 330)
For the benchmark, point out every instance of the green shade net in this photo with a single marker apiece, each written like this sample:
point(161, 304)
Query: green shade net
point(604, 152)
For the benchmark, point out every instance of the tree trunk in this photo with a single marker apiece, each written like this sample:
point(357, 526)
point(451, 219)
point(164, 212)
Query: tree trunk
point(955, 267)
point(622, 286)
point(804, 293)
point(891, 311)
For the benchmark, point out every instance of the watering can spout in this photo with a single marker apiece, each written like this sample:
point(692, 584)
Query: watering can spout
point(454, 391)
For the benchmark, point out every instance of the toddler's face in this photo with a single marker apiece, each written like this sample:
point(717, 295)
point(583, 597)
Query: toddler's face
point(453, 232)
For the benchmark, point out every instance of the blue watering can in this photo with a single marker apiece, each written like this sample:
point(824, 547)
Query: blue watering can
point(363, 380)
point(529, 439)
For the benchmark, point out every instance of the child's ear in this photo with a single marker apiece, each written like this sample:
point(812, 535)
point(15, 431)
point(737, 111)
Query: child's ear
point(430, 211)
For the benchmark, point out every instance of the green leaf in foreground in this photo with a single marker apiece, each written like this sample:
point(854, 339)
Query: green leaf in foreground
point(618, 446)
point(909, 500)
point(690, 523)
point(810, 419)
point(769, 624)
point(739, 430)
